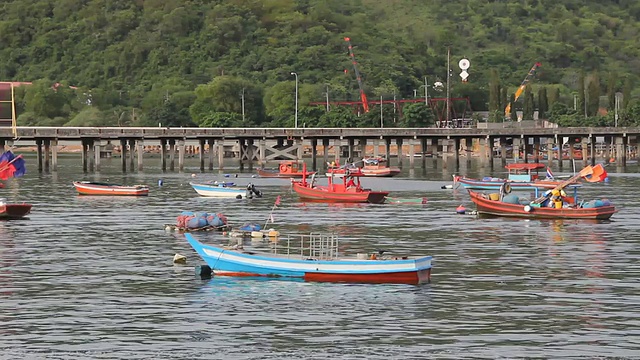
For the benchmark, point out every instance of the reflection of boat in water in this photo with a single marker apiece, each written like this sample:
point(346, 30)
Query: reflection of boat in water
point(315, 258)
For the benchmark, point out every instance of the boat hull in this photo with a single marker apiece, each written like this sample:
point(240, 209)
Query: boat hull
point(382, 172)
point(218, 191)
point(474, 184)
point(14, 211)
point(497, 208)
point(89, 188)
point(276, 174)
point(239, 263)
point(322, 193)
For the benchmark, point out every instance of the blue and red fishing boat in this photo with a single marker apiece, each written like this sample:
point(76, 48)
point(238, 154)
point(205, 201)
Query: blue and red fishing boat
point(317, 260)
point(522, 176)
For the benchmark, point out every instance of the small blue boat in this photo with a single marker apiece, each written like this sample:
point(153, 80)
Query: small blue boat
point(521, 177)
point(224, 190)
point(316, 259)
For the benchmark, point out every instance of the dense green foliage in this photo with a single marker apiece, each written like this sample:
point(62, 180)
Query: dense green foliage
point(196, 62)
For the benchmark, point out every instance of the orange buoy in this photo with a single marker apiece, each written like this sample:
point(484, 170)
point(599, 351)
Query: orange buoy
point(460, 209)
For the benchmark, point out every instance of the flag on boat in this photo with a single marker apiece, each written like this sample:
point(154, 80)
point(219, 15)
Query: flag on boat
point(277, 201)
point(549, 173)
point(11, 166)
point(598, 173)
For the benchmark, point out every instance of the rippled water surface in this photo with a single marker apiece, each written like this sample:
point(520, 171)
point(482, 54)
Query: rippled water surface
point(92, 277)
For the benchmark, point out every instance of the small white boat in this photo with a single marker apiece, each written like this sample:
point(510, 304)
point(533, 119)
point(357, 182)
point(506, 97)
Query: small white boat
point(223, 190)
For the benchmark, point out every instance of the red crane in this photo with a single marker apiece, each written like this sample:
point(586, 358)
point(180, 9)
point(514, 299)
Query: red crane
point(363, 97)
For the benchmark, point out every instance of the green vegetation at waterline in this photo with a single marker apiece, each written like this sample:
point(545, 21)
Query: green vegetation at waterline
point(195, 63)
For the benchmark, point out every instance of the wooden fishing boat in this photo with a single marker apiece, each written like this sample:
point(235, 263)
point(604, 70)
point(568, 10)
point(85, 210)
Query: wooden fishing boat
point(287, 169)
point(97, 188)
point(13, 211)
point(347, 189)
point(485, 205)
point(522, 176)
point(553, 204)
point(377, 167)
point(318, 261)
point(223, 190)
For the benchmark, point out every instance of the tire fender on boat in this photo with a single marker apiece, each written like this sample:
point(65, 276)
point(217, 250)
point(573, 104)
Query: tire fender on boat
point(283, 167)
point(506, 187)
point(528, 208)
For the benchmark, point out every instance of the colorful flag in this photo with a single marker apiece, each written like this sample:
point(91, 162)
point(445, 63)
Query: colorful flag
point(11, 165)
point(277, 201)
point(549, 174)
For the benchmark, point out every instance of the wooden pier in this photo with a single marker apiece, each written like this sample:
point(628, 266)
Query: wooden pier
point(258, 146)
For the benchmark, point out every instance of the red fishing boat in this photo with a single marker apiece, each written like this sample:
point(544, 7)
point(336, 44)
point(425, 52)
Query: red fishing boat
point(13, 211)
point(287, 169)
point(97, 188)
point(344, 188)
point(554, 204)
point(376, 166)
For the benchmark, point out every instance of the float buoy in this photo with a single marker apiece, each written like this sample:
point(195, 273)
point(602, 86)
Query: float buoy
point(446, 187)
point(193, 175)
point(528, 208)
point(160, 182)
point(179, 259)
point(204, 271)
point(460, 210)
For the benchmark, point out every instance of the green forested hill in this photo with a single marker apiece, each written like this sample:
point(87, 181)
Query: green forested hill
point(141, 62)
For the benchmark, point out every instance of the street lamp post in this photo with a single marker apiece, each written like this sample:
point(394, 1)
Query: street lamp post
point(296, 75)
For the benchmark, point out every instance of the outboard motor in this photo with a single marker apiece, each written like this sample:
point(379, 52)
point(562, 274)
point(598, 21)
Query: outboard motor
point(249, 193)
point(255, 191)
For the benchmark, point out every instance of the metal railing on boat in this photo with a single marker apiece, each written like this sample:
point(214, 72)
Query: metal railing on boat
point(311, 246)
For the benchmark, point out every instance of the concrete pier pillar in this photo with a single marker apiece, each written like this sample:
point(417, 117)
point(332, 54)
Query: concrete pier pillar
point(201, 154)
point(123, 154)
point(457, 153)
point(172, 154)
point(39, 154)
point(250, 153)
point(363, 147)
point(516, 149)
point(399, 144)
point(241, 152)
point(97, 151)
point(220, 149)
point(592, 150)
point(445, 152)
point(489, 149)
point(163, 154)
point(423, 152)
point(314, 154)
point(140, 150)
point(91, 155)
point(262, 155)
point(387, 150)
point(503, 151)
point(47, 149)
point(54, 155)
point(299, 148)
point(325, 152)
point(181, 152)
point(337, 144)
point(550, 145)
point(468, 150)
point(132, 154)
point(412, 154)
point(376, 147)
point(620, 156)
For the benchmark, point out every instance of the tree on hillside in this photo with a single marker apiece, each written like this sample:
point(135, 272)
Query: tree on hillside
point(529, 105)
point(514, 114)
point(543, 103)
point(611, 90)
point(626, 93)
point(581, 106)
point(554, 96)
point(224, 94)
point(494, 94)
point(504, 99)
point(593, 90)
